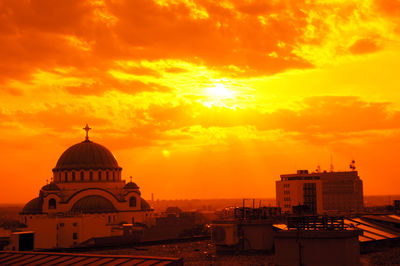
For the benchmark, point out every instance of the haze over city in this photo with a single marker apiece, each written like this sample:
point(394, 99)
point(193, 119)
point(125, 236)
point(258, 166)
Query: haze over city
point(201, 99)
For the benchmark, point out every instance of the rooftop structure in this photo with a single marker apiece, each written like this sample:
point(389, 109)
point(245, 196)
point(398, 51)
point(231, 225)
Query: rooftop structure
point(320, 192)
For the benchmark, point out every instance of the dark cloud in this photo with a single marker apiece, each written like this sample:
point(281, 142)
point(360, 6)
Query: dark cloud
point(40, 34)
point(363, 46)
point(255, 37)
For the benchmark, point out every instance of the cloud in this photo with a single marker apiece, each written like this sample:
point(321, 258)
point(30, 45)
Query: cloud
point(233, 38)
point(38, 35)
point(363, 46)
point(389, 7)
point(319, 120)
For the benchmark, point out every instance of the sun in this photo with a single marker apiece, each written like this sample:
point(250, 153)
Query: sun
point(220, 95)
point(219, 91)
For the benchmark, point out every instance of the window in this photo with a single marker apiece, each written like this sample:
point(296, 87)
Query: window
point(90, 176)
point(73, 176)
point(61, 224)
point(99, 175)
point(109, 219)
point(74, 236)
point(66, 176)
point(133, 220)
point(74, 224)
point(52, 204)
point(107, 176)
point(81, 175)
point(132, 202)
point(113, 176)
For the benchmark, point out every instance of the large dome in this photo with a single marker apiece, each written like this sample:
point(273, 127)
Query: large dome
point(87, 155)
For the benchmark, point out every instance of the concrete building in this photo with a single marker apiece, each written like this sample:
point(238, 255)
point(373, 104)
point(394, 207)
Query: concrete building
point(87, 198)
point(317, 240)
point(320, 192)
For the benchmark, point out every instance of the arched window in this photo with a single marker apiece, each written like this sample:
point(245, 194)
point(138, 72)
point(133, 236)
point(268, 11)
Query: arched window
point(81, 175)
point(107, 175)
point(52, 204)
point(90, 176)
point(113, 176)
point(73, 176)
point(132, 202)
point(66, 176)
point(133, 220)
point(99, 175)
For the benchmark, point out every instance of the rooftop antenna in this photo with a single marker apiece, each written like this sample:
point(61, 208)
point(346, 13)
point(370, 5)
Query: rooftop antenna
point(331, 168)
point(353, 165)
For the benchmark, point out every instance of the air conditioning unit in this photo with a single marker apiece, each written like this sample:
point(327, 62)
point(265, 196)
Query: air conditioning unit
point(225, 234)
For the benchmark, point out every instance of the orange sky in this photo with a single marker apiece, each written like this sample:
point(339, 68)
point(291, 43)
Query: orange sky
point(201, 98)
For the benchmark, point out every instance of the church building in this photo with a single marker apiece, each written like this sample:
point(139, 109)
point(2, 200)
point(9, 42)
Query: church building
point(87, 198)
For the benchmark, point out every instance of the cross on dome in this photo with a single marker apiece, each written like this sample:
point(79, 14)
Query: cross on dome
point(131, 178)
point(87, 128)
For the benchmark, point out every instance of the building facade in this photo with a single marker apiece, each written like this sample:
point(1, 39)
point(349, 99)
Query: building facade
point(320, 192)
point(86, 199)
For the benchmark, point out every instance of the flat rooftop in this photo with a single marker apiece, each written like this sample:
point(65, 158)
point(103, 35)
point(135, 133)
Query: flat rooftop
point(49, 258)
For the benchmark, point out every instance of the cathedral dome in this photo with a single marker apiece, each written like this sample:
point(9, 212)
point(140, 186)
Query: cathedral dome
point(51, 187)
point(131, 185)
point(93, 204)
point(87, 155)
point(33, 207)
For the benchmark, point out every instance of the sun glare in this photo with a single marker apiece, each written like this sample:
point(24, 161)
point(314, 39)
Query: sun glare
point(221, 96)
point(219, 91)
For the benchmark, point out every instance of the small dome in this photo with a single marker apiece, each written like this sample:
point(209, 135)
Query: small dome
point(87, 155)
point(145, 206)
point(33, 207)
point(51, 187)
point(131, 185)
point(93, 204)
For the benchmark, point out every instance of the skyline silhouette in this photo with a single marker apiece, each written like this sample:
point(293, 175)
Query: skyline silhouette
point(201, 99)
